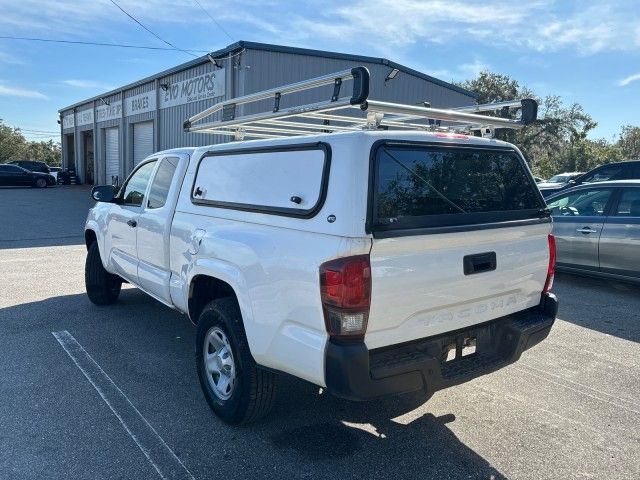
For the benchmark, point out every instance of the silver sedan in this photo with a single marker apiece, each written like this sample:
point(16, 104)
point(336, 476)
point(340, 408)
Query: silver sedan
point(597, 229)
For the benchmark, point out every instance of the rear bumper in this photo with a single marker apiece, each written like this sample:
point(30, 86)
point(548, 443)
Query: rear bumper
point(355, 373)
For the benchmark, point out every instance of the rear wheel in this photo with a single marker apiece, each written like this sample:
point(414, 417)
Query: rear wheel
point(41, 182)
point(103, 288)
point(235, 388)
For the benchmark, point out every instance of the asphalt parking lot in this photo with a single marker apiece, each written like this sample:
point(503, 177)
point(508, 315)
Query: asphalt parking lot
point(569, 409)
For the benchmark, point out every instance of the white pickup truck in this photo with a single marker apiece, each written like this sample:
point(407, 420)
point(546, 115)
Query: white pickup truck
point(370, 262)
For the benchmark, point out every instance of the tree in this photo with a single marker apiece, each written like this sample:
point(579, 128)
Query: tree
point(12, 143)
point(629, 142)
point(44, 151)
point(13, 146)
point(558, 140)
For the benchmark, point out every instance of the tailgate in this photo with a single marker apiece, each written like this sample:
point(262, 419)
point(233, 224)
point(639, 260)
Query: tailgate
point(460, 237)
point(420, 288)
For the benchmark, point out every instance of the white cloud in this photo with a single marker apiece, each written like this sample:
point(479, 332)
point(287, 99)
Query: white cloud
point(631, 78)
point(88, 84)
point(543, 25)
point(6, 91)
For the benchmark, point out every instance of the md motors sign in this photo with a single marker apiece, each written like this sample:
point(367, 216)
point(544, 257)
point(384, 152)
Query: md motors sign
point(203, 87)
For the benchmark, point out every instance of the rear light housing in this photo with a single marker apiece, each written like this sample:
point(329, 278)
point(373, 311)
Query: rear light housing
point(345, 290)
point(551, 270)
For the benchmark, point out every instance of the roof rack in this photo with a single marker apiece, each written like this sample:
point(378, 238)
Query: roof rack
point(349, 113)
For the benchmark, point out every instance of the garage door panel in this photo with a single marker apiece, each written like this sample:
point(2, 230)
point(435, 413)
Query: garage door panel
point(112, 154)
point(142, 141)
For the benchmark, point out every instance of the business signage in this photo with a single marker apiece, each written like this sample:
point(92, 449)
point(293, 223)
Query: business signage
point(106, 112)
point(68, 121)
point(203, 87)
point(84, 117)
point(142, 103)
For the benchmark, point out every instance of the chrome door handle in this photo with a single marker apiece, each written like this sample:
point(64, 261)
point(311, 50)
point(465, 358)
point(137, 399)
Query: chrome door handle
point(586, 230)
point(132, 223)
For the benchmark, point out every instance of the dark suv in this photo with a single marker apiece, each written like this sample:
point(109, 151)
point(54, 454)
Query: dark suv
point(629, 170)
point(32, 165)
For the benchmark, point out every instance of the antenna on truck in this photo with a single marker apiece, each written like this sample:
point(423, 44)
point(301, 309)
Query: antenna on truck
point(346, 113)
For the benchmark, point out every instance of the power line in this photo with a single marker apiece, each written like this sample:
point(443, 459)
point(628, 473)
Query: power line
point(214, 20)
point(151, 32)
point(99, 44)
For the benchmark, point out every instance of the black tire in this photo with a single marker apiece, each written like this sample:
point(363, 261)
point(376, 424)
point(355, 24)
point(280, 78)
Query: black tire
point(254, 389)
point(102, 287)
point(40, 183)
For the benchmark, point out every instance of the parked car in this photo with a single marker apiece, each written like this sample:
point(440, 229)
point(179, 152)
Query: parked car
point(32, 165)
point(559, 180)
point(55, 171)
point(539, 179)
point(597, 229)
point(15, 176)
point(628, 170)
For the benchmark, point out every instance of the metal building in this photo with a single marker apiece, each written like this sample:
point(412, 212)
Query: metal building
point(104, 137)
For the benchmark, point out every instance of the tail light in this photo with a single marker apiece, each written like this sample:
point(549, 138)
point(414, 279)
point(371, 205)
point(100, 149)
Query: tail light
point(345, 289)
point(552, 264)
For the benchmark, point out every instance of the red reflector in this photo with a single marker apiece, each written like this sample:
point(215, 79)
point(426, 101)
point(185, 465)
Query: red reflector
point(551, 270)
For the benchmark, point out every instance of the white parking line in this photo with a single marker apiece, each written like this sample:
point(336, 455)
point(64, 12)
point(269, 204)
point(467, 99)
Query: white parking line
point(159, 454)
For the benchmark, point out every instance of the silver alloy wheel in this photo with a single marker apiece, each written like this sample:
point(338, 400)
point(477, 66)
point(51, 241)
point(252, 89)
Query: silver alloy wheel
point(219, 363)
point(41, 183)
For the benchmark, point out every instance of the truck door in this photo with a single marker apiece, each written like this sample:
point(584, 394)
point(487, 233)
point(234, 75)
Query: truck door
point(123, 222)
point(154, 226)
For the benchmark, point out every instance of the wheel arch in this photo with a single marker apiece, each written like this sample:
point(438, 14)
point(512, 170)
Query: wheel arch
point(204, 288)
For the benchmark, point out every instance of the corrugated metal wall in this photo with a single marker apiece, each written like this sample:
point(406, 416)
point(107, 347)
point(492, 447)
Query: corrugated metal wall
point(248, 72)
point(264, 70)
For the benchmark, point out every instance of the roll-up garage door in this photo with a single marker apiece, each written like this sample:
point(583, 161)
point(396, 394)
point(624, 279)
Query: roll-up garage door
point(142, 141)
point(112, 154)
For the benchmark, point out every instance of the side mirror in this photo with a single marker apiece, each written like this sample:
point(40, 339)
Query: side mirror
point(104, 193)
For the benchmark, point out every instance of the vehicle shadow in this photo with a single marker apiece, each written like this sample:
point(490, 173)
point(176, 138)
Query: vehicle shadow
point(307, 435)
point(608, 306)
point(385, 438)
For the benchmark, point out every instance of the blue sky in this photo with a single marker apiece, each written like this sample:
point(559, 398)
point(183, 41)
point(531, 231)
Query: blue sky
point(584, 51)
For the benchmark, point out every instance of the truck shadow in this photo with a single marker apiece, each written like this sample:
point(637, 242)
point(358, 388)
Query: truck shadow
point(330, 434)
point(607, 306)
point(308, 433)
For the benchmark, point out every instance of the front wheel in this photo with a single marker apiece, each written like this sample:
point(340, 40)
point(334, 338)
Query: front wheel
point(103, 288)
point(236, 389)
point(41, 183)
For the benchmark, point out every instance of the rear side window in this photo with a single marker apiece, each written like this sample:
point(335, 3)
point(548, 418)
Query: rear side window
point(283, 181)
point(607, 172)
point(422, 186)
point(629, 204)
point(162, 183)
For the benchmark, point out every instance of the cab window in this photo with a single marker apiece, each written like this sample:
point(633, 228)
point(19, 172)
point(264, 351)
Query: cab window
point(136, 186)
point(162, 183)
point(585, 203)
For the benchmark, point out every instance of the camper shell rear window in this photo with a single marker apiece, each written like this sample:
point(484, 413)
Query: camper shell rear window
point(418, 186)
point(282, 180)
